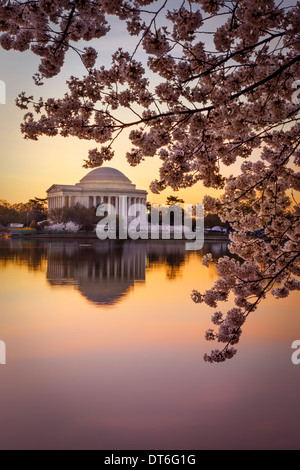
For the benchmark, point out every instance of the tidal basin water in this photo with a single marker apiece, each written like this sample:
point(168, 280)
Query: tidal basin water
point(104, 350)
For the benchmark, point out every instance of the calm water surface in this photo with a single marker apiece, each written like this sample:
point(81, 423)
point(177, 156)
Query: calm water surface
point(105, 351)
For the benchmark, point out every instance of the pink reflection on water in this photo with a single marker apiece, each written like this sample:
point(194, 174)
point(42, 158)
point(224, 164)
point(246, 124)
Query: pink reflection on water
point(80, 375)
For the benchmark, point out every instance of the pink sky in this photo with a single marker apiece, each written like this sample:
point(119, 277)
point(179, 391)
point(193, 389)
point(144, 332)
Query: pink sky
point(29, 168)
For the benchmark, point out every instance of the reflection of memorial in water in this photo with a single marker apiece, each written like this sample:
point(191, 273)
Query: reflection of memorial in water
point(105, 271)
point(102, 272)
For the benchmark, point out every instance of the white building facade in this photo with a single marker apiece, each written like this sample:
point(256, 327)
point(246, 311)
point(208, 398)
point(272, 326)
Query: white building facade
point(101, 185)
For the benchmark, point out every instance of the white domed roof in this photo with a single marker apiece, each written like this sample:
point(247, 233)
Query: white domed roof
point(105, 174)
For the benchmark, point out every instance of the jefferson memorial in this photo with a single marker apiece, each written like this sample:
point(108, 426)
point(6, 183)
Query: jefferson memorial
point(101, 185)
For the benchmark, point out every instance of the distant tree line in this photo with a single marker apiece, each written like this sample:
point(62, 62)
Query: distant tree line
point(35, 210)
point(210, 220)
point(31, 212)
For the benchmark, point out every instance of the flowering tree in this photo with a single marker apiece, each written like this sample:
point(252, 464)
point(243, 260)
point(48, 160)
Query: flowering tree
point(227, 93)
point(69, 227)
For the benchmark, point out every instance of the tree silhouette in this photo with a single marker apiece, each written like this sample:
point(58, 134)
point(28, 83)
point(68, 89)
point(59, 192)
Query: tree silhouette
point(174, 200)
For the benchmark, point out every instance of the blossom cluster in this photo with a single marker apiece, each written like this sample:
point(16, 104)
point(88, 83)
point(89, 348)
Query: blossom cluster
point(211, 105)
point(69, 227)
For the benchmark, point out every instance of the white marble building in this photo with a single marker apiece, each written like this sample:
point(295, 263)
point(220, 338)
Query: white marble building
point(101, 185)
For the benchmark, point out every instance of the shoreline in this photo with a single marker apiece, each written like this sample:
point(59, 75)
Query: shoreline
point(90, 236)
